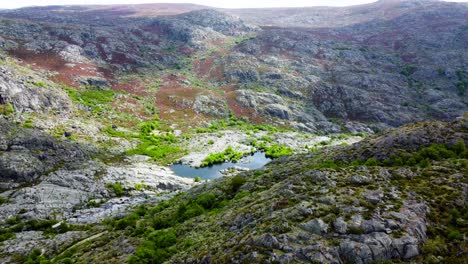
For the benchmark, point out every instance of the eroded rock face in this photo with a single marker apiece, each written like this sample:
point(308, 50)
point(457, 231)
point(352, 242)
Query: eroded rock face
point(61, 192)
point(20, 166)
point(61, 176)
point(27, 153)
point(211, 106)
point(24, 96)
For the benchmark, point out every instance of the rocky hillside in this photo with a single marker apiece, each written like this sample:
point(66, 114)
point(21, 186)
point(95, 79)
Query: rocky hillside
point(317, 69)
point(316, 207)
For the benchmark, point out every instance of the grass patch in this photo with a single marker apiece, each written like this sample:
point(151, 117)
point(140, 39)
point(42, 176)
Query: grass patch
point(92, 98)
point(40, 84)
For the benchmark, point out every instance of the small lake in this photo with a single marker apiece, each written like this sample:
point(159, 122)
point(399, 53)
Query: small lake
point(254, 161)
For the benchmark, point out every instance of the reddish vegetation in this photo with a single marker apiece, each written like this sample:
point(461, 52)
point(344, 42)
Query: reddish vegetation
point(175, 100)
point(120, 58)
point(132, 86)
point(162, 9)
point(66, 72)
point(206, 68)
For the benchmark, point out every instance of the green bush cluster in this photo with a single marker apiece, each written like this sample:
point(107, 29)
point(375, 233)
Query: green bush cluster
point(273, 150)
point(229, 154)
point(236, 182)
point(40, 84)
point(6, 109)
point(146, 128)
point(160, 237)
point(237, 123)
point(116, 187)
point(425, 155)
point(276, 151)
point(157, 146)
point(36, 257)
point(158, 247)
point(3, 200)
point(140, 186)
point(421, 158)
point(92, 98)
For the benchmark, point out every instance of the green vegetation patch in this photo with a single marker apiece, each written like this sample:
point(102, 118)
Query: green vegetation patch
point(6, 109)
point(117, 188)
point(276, 151)
point(40, 84)
point(236, 123)
point(93, 98)
point(160, 146)
point(229, 154)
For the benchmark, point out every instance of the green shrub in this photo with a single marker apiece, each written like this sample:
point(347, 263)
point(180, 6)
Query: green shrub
point(36, 257)
point(210, 142)
point(6, 109)
point(424, 163)
point(206, 200)
point(40, 84)
point(187, 211)
point(162, 238)
point(229, 154)
point(436, 246)
point(116, 187)
point(328, 164)
point(454, 235)
point(236, 182)
point(197, 179)
point(127, 221)
point(277, 151)
point(459, 147)
point(6, 234)
point(140, 186)
point(13, 220)
point(155, 151)
point(4, 200)
point(157, 248)
point(157, 147)
point(371, 162)
point(147, 128)
point(28, 123)
point(241, 195)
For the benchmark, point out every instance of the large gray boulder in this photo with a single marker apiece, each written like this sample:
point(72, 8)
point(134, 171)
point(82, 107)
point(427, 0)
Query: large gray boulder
point(316, 226)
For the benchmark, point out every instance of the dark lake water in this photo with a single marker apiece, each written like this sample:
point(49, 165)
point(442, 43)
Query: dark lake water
point(255, 161)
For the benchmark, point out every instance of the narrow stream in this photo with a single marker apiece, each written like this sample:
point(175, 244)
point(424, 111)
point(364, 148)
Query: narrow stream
point(254, 161)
